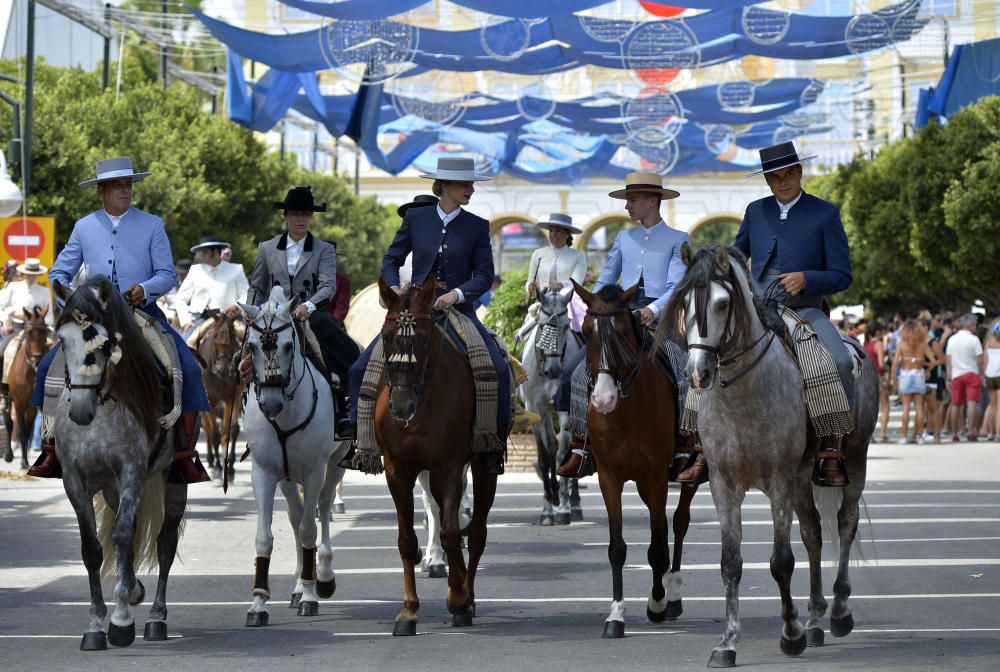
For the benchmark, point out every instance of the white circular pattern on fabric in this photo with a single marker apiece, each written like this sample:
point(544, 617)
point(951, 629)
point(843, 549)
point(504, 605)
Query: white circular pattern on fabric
point(867, 32)
point(505, 40)
point(409, 98)
point(718, 138)
point(651, 145)
point(537, 101)
point(802, 120)
point(661, 45)
point(662, 111)
point(606, 30)
point(784, 134)
point(765, 26)
point(735, 95)
point(382, 49)
point(908, 25)
point(811, 93)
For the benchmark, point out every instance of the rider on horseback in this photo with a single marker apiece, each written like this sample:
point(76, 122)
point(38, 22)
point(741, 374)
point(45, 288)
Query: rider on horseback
point(211, 286)
point(20, 295)
point(131, 248)
point(650, 255)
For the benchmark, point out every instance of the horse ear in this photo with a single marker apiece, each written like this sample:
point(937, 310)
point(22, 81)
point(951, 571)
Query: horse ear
point(61, 290)
point(722, 257)
point(27, 314)
point(250, 312)
point(387, 294)
point(425, 297)
point(587, 297)
point(105, 291)
point(686, 253)
point(626, 298)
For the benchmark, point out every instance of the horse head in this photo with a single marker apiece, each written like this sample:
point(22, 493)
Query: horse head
point(712, 308)
point(552, 331)
point(613, 348)
point(271, 344)
point(222, 339)
point(406, 338)
point(36, 336)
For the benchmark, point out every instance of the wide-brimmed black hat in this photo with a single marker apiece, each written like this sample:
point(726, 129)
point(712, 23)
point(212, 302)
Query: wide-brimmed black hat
point(419, 201)
point(210, 241)
point(779, 156)
point(300, 199)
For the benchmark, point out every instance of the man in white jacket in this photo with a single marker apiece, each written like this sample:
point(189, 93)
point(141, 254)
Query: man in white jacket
point(210, 286)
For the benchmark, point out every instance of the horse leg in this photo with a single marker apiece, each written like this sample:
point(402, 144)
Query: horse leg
point(15, 430)
point(682, 519)
point(209, 425)
point(121, 632)
point(575, 507)
point(338, 499)
point(484, 492)
point(812, 538)
point(309, 604)
point(94, 638)
point(611, 489)
point(563, 515)
point(446, 487)
point(303, 595)
point(654, 496)
point(26, 431)
point(727, 504)
point(326, 581)
point(433, 560)
point(264, 485)
point(841, 619)
point(793, 641)
point(174, 503)
point(546, 462)
point(401, 489)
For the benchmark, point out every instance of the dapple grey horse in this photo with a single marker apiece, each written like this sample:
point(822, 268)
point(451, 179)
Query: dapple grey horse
point(547, 347)
point(290, 428)
point(111, 440)
point(756, 434)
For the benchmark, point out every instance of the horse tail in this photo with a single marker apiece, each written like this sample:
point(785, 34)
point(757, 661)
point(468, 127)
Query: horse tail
point(828, 501)
point(148, 521)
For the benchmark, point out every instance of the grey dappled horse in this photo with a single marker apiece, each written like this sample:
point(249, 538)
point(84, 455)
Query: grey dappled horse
point(756, 434)
point(289, 424)
point(110, 439)
point(547, 347)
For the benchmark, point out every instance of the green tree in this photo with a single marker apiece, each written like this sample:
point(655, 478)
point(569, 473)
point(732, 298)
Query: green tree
point(717, 232)
point(507, 308)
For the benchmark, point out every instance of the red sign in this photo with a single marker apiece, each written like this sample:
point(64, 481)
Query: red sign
point(24, 239)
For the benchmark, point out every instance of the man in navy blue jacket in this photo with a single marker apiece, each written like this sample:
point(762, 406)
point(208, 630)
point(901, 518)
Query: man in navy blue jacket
point(797, 241)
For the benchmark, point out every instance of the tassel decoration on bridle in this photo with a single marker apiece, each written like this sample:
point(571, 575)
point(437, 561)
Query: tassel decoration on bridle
point(404, 340)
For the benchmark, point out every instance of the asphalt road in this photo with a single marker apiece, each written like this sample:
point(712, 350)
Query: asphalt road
point(927, 595)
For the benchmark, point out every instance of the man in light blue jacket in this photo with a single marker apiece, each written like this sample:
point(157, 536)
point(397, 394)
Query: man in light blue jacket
point(131, 248)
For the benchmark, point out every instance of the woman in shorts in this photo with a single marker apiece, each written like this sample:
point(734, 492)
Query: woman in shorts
point(909, 373)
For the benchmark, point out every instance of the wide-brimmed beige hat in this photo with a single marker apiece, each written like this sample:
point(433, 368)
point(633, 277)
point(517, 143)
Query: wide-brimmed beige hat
point(559, 221)
point(649, 183)
point(113, 169)
point(32, 267)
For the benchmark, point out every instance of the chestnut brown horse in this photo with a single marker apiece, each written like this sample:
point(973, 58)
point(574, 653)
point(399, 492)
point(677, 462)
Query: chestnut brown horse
point(33, 343)
point(424, 421)
point(217, 347)
point(630, 389)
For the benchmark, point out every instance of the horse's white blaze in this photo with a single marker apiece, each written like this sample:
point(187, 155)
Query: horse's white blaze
point(605, 394)
point(617, 612)
point(673, 582)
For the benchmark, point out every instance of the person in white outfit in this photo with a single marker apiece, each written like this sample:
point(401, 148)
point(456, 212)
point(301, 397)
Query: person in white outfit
point(211, 286)
point(15, 298)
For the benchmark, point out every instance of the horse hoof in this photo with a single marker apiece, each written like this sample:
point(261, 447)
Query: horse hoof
point(793, 647)
point(155, 631)
point(94, 641)
point(613, 630)
point(25, 465)
point(121, 635)
point(8, 455)
point(577, 515)
point(674, 610)
point(437, 572)
point(308, 608)
point(546, 520)
point(841, 627)
point(563, 519)
point(462, 620)
point(814, 637)
point(257, 619)
point(722, 659)
point(294, 602)
point(141, 596)
point(326, 589)
point(404, 629)
point(339, 508)
point(656, 616)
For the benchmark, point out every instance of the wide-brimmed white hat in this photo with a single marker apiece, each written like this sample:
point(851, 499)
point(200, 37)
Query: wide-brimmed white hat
point(649, 183)
point(777, 157)
point(113, 169)
point(32, 267)
point(456, 168)
point(559, 221)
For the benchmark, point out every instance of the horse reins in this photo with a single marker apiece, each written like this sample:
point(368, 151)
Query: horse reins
point(406, 331)
point(613, 350)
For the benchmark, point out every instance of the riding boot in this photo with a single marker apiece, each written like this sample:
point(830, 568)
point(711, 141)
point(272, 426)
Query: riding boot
point(696, 468)
point(343, 429)
point(47, 464)
point(580, 462)
point(347, 461)
point(185, 452)
point(831, 468)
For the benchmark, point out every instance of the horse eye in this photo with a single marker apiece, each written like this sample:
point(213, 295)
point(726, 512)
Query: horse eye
point(288, 347)
point(722, 305)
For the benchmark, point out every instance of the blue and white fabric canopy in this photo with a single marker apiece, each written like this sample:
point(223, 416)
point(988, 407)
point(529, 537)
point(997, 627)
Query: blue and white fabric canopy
point(973, 72)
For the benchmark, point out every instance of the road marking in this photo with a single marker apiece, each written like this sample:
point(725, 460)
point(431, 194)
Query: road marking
point(64, 636)
point(908, 630)
point(644, 542)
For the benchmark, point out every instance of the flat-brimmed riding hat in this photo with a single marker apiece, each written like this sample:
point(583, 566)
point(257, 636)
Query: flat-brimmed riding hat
point(648, 183)
point(114, 169)
point(419, 201)
point(777, 157)
point(210, 241)
point(32, 267)
point(558, 220)
point(299, 199)
point(457, 169)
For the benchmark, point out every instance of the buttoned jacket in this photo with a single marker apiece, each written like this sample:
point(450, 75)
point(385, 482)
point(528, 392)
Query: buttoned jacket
point(653, 254)
point(570, 263)
point(210, 288)
point(314, 279)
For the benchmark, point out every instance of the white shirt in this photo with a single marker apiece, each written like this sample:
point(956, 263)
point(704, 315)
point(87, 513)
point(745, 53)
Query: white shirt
point(115, 219)
point(445, 220)
point(785, 207)
point(17, 296)
point(565, 261)
point(209, 287)
point(963, 348)
point(293, 251)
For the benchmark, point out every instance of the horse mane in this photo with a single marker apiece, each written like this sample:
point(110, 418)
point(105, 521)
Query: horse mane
point(133, 378)
point(701, 272)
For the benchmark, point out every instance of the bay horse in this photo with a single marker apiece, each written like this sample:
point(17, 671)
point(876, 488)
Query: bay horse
point(33, 344)
point(218, 346)
point(756, 434)
point(547, 347)
point(423, 421)
point(110, 439)
point(629, 390)
point(290, 424)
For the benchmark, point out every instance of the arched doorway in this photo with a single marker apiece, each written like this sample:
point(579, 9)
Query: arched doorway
point(718, 229)
point(606, 227)
point(514, 236)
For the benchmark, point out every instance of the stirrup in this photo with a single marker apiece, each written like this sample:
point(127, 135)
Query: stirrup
point(819, 478)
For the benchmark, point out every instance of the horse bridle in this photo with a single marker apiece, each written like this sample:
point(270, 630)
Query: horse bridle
point(30, 356)
point(107, 349)
point(546, 355)
point(406, 329)
point(613, 351)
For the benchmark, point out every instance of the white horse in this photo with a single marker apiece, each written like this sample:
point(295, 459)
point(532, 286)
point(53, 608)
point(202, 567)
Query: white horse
point(434, 561)
point(290, 423)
